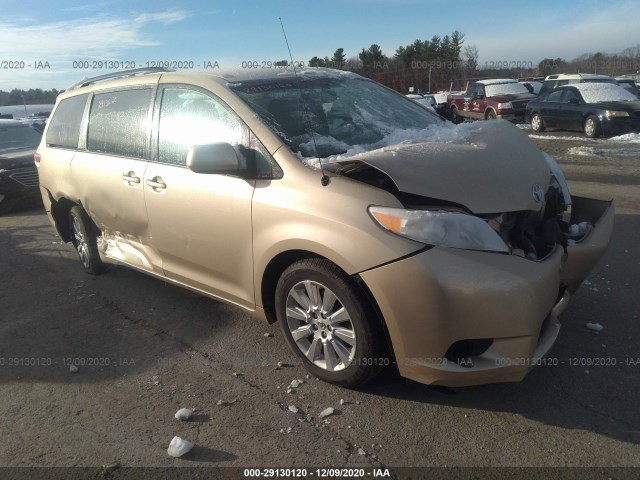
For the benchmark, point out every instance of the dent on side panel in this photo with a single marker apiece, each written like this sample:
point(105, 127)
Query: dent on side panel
point(585, 253)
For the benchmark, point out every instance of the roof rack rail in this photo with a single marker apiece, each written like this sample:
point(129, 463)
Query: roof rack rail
point(123, 73)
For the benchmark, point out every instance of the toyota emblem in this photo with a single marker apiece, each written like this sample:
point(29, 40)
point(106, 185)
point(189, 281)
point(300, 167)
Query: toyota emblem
point(538, 193)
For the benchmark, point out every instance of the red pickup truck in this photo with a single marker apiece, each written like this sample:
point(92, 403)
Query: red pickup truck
point(490, 99)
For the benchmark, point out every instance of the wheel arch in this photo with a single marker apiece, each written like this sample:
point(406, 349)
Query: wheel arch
point(489, 110)
point(283, 260)
point(60, 211)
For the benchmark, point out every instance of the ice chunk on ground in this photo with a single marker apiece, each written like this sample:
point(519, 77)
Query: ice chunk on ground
point(293, 409)
point(326, 412)
point(296, 383)
point(225, 402)
point(596, 327)
point(627, 138)
point(268, 334)
point(73, 369)
point(178, 447)
point(361, 452)
point(183, 414)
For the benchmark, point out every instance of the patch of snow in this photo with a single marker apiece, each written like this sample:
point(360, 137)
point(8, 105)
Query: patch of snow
point(178, 447)
point(627, 138)
point(603, 92)
point(326, 412)
point(550, 137)
point(296, 383)
point(293, 409)
point(523, 126)
point(579, 229)
point(444, 132)
point(512, 87)
point(610, 152)
point(183, 414)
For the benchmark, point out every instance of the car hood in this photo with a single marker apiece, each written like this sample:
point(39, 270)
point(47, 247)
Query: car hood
point(16, 158)
point(493, 171)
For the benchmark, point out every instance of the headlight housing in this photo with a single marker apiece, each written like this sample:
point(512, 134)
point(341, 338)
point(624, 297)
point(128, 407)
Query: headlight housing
point(615, 113)
point(440, 227)
point(505, 106)
point(556, 173)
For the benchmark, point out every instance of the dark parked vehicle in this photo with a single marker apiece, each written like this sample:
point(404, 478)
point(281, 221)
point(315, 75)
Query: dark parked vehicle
point(595, 108)
point(629, 84)
point(18, 174)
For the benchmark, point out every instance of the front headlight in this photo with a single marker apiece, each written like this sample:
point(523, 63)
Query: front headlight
point(615, 113)
point(439, 227)
point(505, 106)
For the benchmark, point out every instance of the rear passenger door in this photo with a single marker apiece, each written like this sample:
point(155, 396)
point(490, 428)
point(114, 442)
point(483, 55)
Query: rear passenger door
point(550, 108)
point(108, 172)
point(200, 224)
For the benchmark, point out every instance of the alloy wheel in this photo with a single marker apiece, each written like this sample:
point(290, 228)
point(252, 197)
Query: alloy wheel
point(320, 325)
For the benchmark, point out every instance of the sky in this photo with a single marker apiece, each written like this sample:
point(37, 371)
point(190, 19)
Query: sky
point(46, 44)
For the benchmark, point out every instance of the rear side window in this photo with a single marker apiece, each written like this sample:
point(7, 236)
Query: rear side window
point(119, 123)
point(64, 127)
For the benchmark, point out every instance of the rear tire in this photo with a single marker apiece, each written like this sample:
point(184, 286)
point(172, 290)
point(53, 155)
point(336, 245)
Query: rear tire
point(536, 123)
point(85, 241)
point(592, 127)
point(328, 324)
point(455, 118)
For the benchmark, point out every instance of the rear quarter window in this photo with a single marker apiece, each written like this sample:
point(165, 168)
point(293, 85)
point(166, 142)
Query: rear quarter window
point(119, 122)
point(64, 126)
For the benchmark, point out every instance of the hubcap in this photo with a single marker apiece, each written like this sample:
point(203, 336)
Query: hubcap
point(80, 243)
point(589, 127)
point(321, 326)
point(535, 122)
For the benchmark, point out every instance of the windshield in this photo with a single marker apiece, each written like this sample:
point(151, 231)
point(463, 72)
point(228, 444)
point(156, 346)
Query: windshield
point(18, 136)
point(502, 88)
point(604, 92)
point(347, 114)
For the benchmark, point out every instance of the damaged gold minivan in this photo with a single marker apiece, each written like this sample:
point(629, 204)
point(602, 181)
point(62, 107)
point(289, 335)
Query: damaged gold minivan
point(371, 229)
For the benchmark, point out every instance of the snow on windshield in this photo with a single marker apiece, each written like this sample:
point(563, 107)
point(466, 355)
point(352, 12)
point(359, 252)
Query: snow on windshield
point(502, 88)
point(443, 132)
point(604, 92)
point(328, 115)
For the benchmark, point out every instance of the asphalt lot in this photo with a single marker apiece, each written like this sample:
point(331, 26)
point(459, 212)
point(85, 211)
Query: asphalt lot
point(147, 348)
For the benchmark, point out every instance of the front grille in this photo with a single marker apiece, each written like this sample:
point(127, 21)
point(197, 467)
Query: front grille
point(28, 178)
point(519, 104)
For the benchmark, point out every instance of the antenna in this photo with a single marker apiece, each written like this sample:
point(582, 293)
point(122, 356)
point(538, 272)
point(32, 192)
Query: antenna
point(325, 179)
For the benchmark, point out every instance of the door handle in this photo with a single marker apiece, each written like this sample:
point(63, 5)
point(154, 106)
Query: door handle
point(157, 184)
point(130, 177)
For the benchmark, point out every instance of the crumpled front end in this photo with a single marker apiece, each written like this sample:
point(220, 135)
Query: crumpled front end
point(459, 317)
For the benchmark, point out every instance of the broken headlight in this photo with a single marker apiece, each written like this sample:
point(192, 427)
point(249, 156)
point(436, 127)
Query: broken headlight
point(439, 227)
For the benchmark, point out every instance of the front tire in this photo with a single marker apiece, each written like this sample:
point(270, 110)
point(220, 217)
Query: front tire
point(84, 239)
point(592, 127)
point(455, 118)
point(327, 323)
point(536, 123)
point(491, 115)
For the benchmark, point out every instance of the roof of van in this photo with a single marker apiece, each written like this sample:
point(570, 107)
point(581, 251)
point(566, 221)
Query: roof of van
point(221, 76)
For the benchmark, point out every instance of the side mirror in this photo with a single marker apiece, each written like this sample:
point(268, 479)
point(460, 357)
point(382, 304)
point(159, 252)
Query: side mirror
point(213, 158)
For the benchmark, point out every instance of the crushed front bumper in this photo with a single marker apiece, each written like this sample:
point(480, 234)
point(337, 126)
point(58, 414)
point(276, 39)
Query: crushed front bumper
point(443, 296)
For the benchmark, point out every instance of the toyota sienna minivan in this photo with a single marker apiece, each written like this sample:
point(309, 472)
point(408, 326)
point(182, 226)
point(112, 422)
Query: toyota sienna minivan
point(371, 229)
